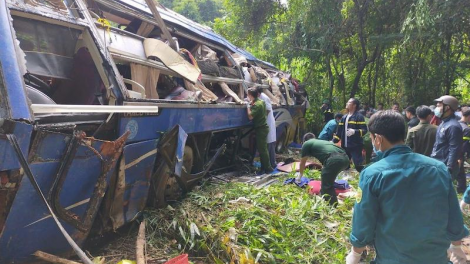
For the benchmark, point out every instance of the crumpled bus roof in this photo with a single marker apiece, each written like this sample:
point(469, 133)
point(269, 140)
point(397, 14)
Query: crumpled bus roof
point(194, 27)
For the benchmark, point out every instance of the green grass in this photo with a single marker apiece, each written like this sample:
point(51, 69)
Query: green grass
point(279, 224)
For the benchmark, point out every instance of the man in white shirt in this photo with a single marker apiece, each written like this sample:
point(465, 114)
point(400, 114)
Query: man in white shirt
point(272, 127)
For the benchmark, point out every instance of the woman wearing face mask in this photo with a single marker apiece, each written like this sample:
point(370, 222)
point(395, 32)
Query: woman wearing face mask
point(257, 112)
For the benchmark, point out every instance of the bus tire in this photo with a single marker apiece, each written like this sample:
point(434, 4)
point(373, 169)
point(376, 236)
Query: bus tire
point(281, 142)
point(166, 188)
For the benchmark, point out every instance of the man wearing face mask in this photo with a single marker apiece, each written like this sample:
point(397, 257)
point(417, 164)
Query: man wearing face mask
point(449, 138)
point(350, 131)
point(406, 204)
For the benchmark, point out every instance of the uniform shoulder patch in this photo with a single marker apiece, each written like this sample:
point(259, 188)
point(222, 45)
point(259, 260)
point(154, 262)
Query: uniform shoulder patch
point(359, 195)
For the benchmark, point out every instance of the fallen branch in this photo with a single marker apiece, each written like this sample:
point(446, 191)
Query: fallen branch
point(53, 259)
point(140, 245)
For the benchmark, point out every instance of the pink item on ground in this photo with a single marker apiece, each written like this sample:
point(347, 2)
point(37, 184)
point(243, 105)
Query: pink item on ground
point(182, 259)
point(314, 187)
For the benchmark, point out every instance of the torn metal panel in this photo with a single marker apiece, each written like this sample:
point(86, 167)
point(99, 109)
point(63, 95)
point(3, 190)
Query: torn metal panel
point(132, 184)
point(171, 58)
point(41, 13)
point(169, 148)
point(77, 194)
point(182, 136)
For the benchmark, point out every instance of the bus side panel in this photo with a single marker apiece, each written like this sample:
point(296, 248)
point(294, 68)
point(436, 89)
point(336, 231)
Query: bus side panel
point(132, 186)
point(29, 226)
point(192, 120)
point(8, 159)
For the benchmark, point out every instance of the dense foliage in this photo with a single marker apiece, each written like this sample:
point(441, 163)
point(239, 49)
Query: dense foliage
point(202, 11)
point(409, 51)
point(239, 223)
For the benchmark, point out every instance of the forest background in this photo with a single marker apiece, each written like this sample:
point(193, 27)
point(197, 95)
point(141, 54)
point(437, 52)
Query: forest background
point(379, 51)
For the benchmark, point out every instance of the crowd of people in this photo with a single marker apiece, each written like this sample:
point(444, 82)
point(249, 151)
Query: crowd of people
point(406, 204)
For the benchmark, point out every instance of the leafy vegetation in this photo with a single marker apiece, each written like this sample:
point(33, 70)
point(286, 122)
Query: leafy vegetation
point(409, 51)
point(202, 11)
point(238, 223)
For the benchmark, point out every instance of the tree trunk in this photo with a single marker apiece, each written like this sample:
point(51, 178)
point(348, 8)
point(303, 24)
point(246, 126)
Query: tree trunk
point(355, 86)
point(330, 76)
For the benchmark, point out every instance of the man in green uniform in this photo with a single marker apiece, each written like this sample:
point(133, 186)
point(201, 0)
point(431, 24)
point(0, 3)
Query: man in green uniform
point(406, 205)
point(257, 112)
point(334, 160)
point(421, 137)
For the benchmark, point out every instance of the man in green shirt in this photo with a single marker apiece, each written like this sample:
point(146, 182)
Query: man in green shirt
point(421, 137)
point(334, 160)
point(257, 113)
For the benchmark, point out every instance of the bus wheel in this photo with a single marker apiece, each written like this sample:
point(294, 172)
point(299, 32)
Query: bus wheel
point(281, 142)
point(166, 188)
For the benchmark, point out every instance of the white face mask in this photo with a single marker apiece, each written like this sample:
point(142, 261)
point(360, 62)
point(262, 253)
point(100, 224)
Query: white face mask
point(376, 149)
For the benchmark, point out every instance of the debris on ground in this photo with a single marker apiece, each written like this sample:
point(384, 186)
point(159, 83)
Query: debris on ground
point(240, 218)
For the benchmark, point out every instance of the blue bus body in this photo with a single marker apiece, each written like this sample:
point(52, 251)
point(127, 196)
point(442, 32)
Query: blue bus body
point(97, 166)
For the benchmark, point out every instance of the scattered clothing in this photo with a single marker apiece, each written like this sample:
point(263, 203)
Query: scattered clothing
point(294, 166)
point(421, 138)
point(407, 208)
point(303, 181)
point(341, 184)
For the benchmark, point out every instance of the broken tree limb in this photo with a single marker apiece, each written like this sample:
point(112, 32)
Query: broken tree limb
point(140, 245)
point(52, 259)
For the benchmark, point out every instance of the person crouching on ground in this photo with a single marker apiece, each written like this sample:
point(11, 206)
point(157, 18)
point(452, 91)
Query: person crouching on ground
point(406, 205)
point(330, 128)
point(257, 112)
point(334, 160)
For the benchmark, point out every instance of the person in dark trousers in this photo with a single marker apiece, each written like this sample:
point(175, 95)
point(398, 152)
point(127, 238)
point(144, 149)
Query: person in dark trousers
point(410, 113)
point(330, 128)
point(421, 138)
point(350, 131)
point(257, 112)
point(334, 160)
point(271, 139)
point(449, 138)
point(327, 111)
point(406, 204)
point(461, 177)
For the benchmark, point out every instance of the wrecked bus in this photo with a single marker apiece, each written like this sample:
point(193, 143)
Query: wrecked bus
point(100, 118)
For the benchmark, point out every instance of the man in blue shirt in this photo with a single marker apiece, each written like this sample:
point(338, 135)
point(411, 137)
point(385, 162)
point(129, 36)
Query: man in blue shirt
point(406, 204)
point(330, 128)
